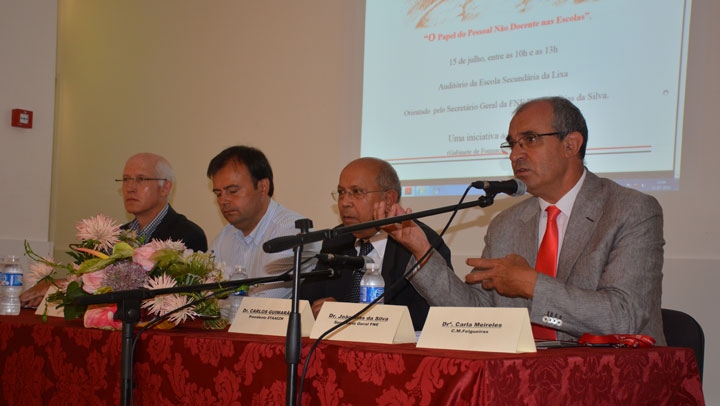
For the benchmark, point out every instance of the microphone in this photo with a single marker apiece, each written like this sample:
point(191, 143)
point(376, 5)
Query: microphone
point(344, 260)
point(512, 187)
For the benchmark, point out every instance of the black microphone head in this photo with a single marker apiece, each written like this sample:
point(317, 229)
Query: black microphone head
point(345, 261)
point(512, 187)
point(281, 244)
point(521, 188)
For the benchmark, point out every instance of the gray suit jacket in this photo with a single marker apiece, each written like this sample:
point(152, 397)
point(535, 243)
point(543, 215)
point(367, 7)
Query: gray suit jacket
point(609, 278)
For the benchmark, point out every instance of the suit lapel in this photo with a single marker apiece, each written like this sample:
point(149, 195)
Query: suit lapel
point(162, 232)
point(586, 214)
point(529, 218)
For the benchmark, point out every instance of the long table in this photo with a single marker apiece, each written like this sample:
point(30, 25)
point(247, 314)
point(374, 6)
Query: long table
point(60, 362)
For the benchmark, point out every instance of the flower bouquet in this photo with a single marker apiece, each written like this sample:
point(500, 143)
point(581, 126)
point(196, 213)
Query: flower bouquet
point(108, 259)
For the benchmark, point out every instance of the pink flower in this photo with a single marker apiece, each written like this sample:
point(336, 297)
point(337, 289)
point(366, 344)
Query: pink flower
point(101, 316)
point(143, 257)
point(173, 302)
point(163, 304)
point(167, 244)
point(63, 283)
point(103, 230)
point(38, 270)
point(93, 281)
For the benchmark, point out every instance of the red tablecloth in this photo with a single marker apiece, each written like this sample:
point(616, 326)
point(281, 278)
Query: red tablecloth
point(62, 363)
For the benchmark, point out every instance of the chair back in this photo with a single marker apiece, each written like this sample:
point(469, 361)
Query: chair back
point(682, 330)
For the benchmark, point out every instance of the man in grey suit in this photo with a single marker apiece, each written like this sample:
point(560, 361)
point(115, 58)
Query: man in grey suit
point(609, 264)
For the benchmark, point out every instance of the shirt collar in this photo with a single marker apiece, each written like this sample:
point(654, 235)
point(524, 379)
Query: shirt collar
point(257, 235)
point(379, 242)
point(565, 204)
point(148, 231)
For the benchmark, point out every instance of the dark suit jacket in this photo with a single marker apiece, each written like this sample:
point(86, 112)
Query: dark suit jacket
point(177, 227)
point(395, 261)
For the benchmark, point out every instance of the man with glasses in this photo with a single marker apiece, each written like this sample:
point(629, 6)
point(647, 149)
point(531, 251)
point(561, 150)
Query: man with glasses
point(243, 186)
point(146, 185)
point(364, 183)
point(584, 255)
point(147, 181)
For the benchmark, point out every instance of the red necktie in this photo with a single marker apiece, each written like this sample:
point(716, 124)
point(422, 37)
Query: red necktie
point(547, 264)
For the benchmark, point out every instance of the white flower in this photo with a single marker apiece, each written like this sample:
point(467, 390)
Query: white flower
point(163, 304)
point(167, 244)
point(177, 301)
point(38, 270)
point(102, 229)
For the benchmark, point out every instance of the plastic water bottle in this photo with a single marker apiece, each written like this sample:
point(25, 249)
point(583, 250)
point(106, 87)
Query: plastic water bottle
point(11, 285)
point(236, 298)
point(372, 284)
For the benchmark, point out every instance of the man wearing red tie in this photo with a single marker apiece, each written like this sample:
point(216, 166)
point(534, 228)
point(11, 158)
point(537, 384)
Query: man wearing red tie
point(584, 255)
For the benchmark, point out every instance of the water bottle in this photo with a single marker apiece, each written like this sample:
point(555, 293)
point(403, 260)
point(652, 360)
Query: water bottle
point(372, 284)
point(236, 298)
point(11, 285)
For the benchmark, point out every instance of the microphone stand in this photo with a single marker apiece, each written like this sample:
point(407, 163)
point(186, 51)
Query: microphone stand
point(128, 311)
point(292, 349)
point(293, 338)
point(291, 241)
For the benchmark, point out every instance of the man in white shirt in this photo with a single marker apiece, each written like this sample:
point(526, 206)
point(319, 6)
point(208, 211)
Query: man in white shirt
point(243, 184)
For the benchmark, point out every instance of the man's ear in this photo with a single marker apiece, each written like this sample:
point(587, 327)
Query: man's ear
point(573, 142)
point(264, 185)
point(391, 197)
point(166, 187)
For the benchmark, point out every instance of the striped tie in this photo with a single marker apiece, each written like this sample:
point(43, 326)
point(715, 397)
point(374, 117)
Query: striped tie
point(353, 295)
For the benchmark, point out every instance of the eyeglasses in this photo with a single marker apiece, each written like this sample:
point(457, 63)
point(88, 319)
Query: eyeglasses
point(138, 180)
point(353, 194)
point(527, 140)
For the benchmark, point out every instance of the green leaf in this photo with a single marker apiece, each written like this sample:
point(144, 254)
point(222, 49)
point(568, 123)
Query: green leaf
point(73, 311)
point(96, 264)
point(89, 265)
point(123, 249)
point(70, 309)
point(215, 324)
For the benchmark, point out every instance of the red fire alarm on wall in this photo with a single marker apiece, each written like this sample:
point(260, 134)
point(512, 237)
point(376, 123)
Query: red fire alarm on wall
point(22, 118)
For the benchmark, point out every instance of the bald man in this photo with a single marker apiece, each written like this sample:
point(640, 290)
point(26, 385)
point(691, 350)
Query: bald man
point(363, 184)
point(147, 181)
point(146, 185)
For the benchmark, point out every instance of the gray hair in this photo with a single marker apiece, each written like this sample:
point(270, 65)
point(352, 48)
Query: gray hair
point(387, 178)
point(566, 118)
point(162, 166)
point(164, 169)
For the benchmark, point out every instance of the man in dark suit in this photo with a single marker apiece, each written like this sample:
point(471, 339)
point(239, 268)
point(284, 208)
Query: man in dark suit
point(177, 227)
point(147, 182)
point(146, 185)
point(363, 183)
point(607, 258)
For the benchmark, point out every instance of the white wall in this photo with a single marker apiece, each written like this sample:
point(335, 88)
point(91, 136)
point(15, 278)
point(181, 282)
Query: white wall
point(187, 79)
point(27, 81)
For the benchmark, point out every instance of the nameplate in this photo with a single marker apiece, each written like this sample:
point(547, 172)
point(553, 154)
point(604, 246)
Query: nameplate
point(52, 309)
point(492, 329)
point(268, 316)
point(384, 324)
